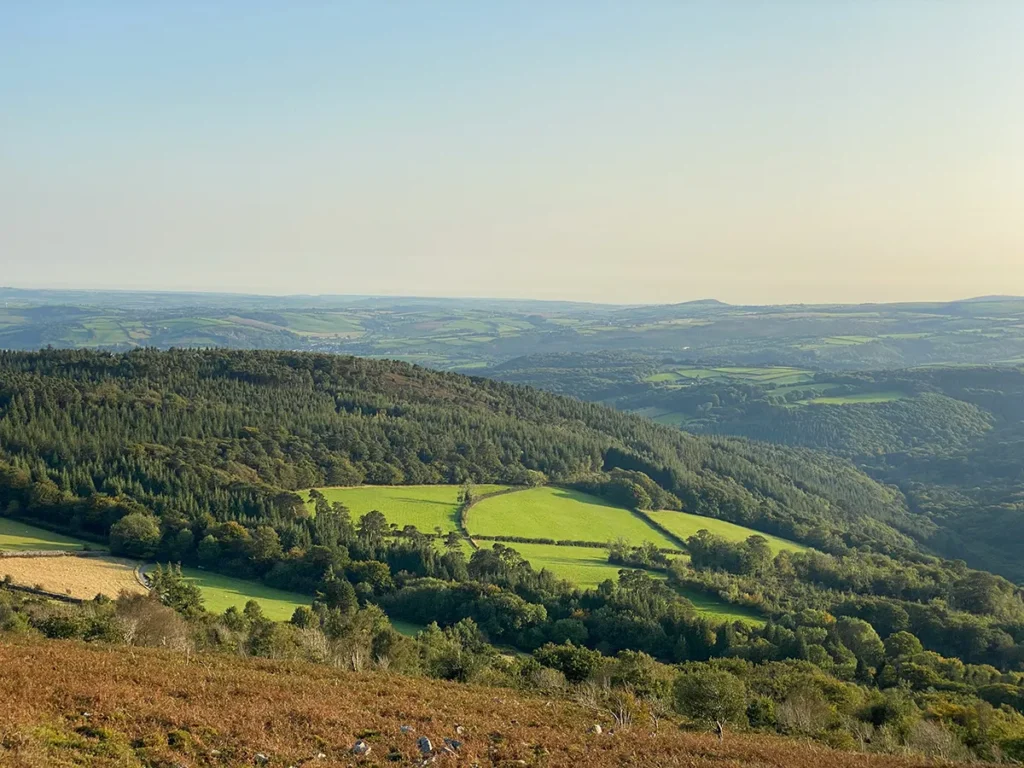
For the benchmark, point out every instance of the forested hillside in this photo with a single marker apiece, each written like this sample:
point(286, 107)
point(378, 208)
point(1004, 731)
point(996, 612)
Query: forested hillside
point(229, 434)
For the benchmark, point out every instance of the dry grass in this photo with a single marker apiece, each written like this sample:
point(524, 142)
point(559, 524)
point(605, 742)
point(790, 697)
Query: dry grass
point(81, 577)
point(72, 704)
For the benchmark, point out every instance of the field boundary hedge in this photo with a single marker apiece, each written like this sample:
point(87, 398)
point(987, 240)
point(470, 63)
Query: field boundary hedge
point(52, 553)
point(460, 515)
point(562, 543)
point(41, 593)
point(661, 528)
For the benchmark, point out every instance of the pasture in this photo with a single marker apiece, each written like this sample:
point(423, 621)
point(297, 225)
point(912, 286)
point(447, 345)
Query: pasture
point(719, 610)
point(779, 375)
point(425, 506)
point(222, 592)
point(79, 577)
point(407, 628)
point(685, 525)
point(19, 537)
point(585, 567)
point(588, 566)
point(862, 397)
point(559, 514)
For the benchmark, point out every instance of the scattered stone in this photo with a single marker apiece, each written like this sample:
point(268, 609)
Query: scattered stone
point(407, 729)
point(361, 748)
point(595, 729)
point(453, 745)
point(459, 730)
point(425, 746)
point(261, 759)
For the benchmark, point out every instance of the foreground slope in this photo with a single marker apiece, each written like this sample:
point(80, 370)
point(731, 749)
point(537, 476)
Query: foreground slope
point(82, 705)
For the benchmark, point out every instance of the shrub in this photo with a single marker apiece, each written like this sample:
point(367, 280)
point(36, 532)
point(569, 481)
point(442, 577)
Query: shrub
point(135, 535)
point(761, 712)
point(575, 662)
point(711, 695)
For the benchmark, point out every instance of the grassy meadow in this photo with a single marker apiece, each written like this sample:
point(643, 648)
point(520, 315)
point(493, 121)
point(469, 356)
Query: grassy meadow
point(685, 525)
point(19, 537)
point(222, 592)
point(407, 628)
point(863, 397)
point(425, 506)
point(588, 566)
point(584, 566)
point(720, 611)
point(781, 375)
point(559, 514)
point(534, 513)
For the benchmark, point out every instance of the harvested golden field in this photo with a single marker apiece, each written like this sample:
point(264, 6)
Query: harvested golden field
point(81, 577)
point(69, 703)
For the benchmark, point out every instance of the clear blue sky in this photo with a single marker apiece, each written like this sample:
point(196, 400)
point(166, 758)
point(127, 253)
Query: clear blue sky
point(749, 151)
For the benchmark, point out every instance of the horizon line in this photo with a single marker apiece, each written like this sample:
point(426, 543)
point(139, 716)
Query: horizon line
point(414, 297)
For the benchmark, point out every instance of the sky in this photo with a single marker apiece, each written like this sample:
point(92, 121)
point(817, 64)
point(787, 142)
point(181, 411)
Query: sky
point(749, 151)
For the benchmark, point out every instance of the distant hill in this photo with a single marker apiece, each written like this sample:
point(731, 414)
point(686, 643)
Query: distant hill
point(476, 334)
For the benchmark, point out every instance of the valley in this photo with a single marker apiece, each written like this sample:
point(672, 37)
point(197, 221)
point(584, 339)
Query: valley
point(375, 516)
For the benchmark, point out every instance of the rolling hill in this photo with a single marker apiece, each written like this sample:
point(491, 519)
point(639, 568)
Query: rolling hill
point(477, 334)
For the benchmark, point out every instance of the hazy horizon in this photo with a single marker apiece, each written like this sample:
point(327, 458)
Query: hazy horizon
point(484, 297)
point(760, 154)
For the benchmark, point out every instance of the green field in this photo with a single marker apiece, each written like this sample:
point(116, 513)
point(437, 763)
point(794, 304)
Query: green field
point(863, 397)
point(18, 537)
point(584, 566)
point(719, 609)
point(321, 323)
point(425, 506)
point(222, 592)
point(588, 566)
point(576, 515)
point(559, 514)
point(766, 375)
point(685, 525)
point(407, 628)
point(848, 340)
point(805, 387)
